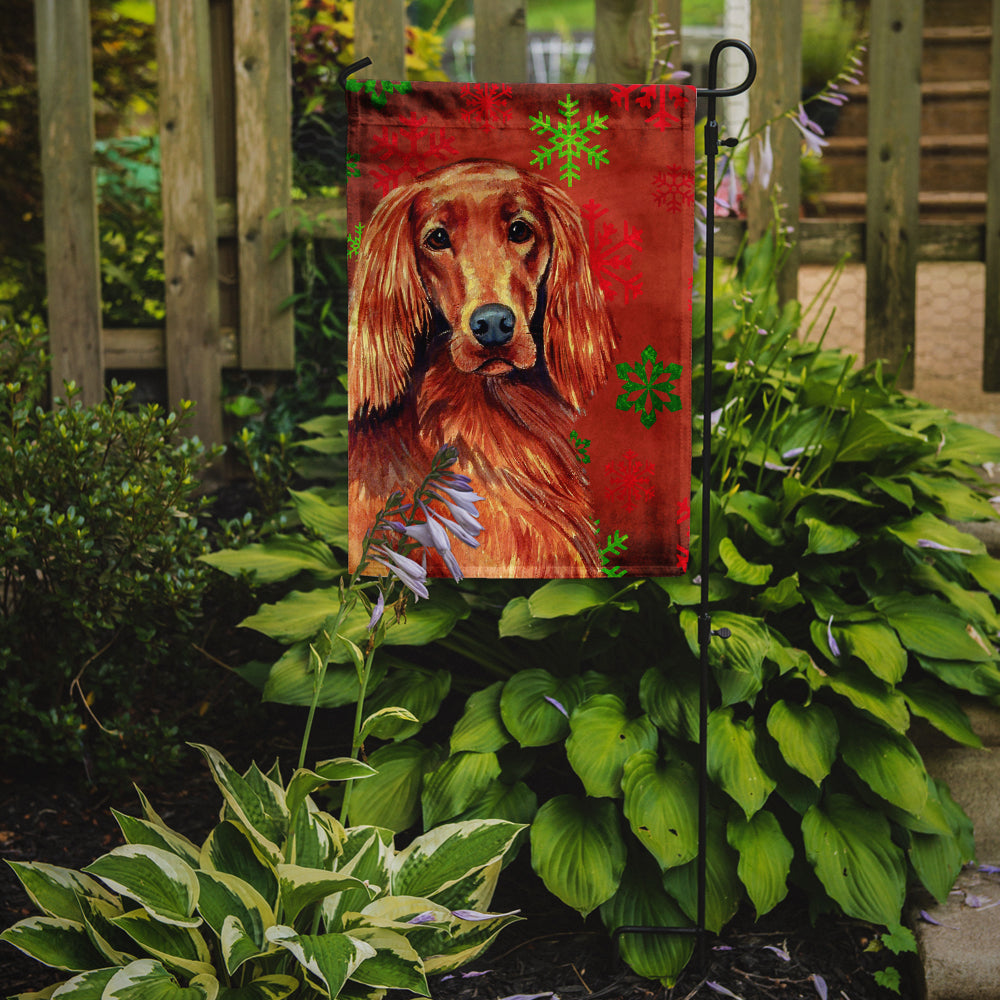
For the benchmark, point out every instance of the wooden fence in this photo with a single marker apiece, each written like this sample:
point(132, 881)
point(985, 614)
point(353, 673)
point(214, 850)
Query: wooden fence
point(226, 161)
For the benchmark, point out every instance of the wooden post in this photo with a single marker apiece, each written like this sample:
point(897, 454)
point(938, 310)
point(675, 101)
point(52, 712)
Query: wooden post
point(893, 184)
point(380, 34)
point(991, 333)
point(621, 40)
point(72, 255)
point(776, 35)
point(190, 254)
point(262, 60)
point(501, 41)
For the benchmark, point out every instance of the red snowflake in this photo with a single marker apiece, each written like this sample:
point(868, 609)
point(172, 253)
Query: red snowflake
point(683, 510)
point(673, 188)
point(607, 261)
point(406, 151)
point(650, 94)
point(629, 480)
point(485, 103)
point(683, 555)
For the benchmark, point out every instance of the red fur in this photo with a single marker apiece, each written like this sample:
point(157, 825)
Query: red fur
point(420, 379)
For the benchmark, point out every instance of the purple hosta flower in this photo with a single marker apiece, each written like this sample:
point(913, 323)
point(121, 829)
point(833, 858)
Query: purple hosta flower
point(780, 952)
point(427, 917)
point(475, 915)
point(411, 574)
point(457, 527)
point(760, 166)
point(812, 134)
point(990, 869)
point(558, 705)
point(377, 611)
point(820, 983)
point(465, 975)
point(834, 648)
point(719, 988)
point(927, 543)
point(727, 197)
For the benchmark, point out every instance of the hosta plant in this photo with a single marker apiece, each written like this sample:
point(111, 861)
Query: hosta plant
point(279, 900)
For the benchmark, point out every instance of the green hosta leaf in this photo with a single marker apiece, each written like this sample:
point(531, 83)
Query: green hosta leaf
point(54, 941)
point(292, 680)
point(723, 889)
point(850, 847)
point(828, 539)
point(928, 528)
point(230, 849)
point(965, 443)
point(578, 851)
point(888, 763)
point(260, 809)
point(438, 859)
point(517, 620)
point(481, 728)
point(279, 558)
point(395, 964)
point(602, 738)
point(783, 595)
point(456, 784)
point(327, 520)
point(670, 698)
point(937, 859)
point(876, 646)
point(956, 500)
point(931, 628)
point(159, 881)
point(141, 831)
point(865, 692)
point(641, 901)
point(738, 661)
point(177, 947)
point(893, 488)
point(301, 887)
point(738, 569)
point(559, 598)
point(56, 891)
point(870, 436)
point(661, 798)
point(147, 979)
point(684, 593)
point(415, 689)
point(732, 760)
point(765, 858)
point(807, 736)
point(941, 709)
point(758, 511)
point(975, 605)
point(330, 959)
point(976, 678)
point(224, 898)
point(516, 803)
point(528, 710)
point(275, 987)
point(986, 571)
point(391, 798)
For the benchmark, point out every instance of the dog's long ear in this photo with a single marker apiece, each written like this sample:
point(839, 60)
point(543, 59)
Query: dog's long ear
point(579, 334)
point(389, 309)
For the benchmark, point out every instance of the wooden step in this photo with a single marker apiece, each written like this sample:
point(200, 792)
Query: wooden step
point(956, 53)
point(958, 206)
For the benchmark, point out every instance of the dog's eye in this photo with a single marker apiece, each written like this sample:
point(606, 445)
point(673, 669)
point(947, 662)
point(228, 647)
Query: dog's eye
point(519, 232)
point(437, 239)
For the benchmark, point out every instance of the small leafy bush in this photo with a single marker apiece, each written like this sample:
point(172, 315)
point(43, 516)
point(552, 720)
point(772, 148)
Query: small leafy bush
point(280, 899)
point(100, 582)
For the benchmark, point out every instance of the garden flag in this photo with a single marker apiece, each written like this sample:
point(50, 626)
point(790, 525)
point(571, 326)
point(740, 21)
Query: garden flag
point(520, 262)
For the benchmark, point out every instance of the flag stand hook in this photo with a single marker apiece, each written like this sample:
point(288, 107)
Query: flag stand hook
point(705, 630)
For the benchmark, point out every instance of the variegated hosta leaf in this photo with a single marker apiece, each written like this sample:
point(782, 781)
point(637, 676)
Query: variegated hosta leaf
point(86, 986)
point(329, 959)
point(304, 782)
point(99, 915)
point(56, 891)
point(578, 851)
point(642, 902)
point(395, 964)
point(54, 941)
point(888, 763)
point(274, 987)
point(466, 941)
point(177, 947)
point(441, 857)
point(141, 831)
point(765, 858)
point(535, 706)
point(732, 760)
point(456, 784)
point(475, 891)
point(850, 847)
point(315, 838)
point(300, 887)
point(661, 799)
point(602, 738)
point(417, 690)
point(256, 801)
point(367, 853)
point(481, 727)
point(230, 849)
point(158, 880)
point(147, 979)
point(807, 736)
point(225, 897)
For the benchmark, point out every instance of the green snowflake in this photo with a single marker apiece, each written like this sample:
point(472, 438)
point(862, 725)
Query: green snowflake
point(653, 395)
point(581, 444)
point(378, 91)
point(354, 239)
point(615, 547)
point(569, 141)
point(353, 165)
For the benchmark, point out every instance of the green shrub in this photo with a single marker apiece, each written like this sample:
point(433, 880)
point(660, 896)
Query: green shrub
point(99, 542)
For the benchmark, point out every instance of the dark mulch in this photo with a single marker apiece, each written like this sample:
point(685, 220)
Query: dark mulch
point(551, 951)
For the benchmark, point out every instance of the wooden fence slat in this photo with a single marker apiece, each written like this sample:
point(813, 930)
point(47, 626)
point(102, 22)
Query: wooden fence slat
point(380, 34)
point(621, 40)
point(501, 41)
point(892, 215)
point(776, 36)
point(991, 331)
point(190, 253)
point(262, 61)
point(72, 255)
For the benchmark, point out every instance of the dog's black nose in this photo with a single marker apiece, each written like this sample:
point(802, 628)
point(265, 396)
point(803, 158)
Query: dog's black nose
point(492, 324)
